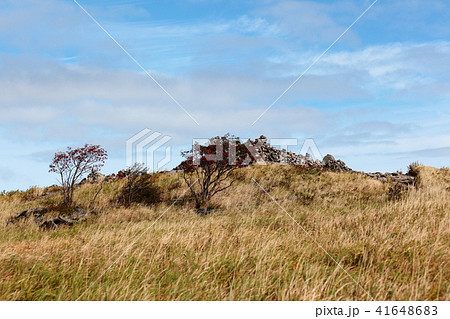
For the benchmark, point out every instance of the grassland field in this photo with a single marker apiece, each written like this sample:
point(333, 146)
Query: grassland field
point(248, 248)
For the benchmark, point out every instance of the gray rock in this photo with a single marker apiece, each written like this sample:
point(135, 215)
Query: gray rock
point(78, 213)
point(38, 219)
point(337, 165)
point(57, 222)
point(24, 214)
point(204, 211)
point(328, 158)
point(395, 178)
point(263, 139)
point(38, 214)
point(39, 211)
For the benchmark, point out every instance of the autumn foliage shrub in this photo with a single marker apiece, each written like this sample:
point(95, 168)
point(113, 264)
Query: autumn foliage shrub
point(73, 164)
point(208, 169)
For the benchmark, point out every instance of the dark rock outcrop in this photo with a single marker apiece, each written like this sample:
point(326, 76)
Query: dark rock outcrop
point(38, 214)
point(39, 218)
point(57, 222)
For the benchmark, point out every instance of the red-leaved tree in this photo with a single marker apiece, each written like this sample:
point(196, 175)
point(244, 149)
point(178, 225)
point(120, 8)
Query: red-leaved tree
point(73, 164)
point(208, 168)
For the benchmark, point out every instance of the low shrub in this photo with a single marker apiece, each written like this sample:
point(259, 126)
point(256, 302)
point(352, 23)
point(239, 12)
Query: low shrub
point(412, 168)
point(139, 188)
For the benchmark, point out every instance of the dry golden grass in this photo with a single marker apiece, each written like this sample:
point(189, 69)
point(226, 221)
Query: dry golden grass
point(247, 249)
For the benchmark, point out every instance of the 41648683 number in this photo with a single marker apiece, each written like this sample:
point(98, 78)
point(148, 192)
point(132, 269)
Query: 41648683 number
point(407, 310)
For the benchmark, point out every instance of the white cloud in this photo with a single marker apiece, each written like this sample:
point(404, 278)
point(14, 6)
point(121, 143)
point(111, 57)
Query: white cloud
point(42, 92)
point(403, 68)
point(309, 21)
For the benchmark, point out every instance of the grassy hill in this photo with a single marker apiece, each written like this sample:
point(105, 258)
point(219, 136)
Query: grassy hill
point(248, 248)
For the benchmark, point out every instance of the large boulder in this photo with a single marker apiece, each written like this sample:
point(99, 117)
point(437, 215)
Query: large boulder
point(328, 158)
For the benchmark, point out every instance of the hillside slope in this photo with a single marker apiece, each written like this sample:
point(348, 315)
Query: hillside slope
point(248, 248)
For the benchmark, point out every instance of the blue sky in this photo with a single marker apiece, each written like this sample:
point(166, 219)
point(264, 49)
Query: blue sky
point(378, 99)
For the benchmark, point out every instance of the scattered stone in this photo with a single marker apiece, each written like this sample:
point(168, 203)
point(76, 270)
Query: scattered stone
point(38, 214)
point(78, 213)
point(39, 211)
point(38, 219)
point(204, 211)
point(57, 222)
point(395, 178)
point(24, 214)
point(267, 154)
point(270, 154)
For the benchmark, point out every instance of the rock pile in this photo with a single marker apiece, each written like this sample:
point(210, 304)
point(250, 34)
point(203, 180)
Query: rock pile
point(270, 154)
point(267, 154)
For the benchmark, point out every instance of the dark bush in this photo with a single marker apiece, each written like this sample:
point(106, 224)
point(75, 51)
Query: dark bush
point(138, 188)
point(412, 168)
